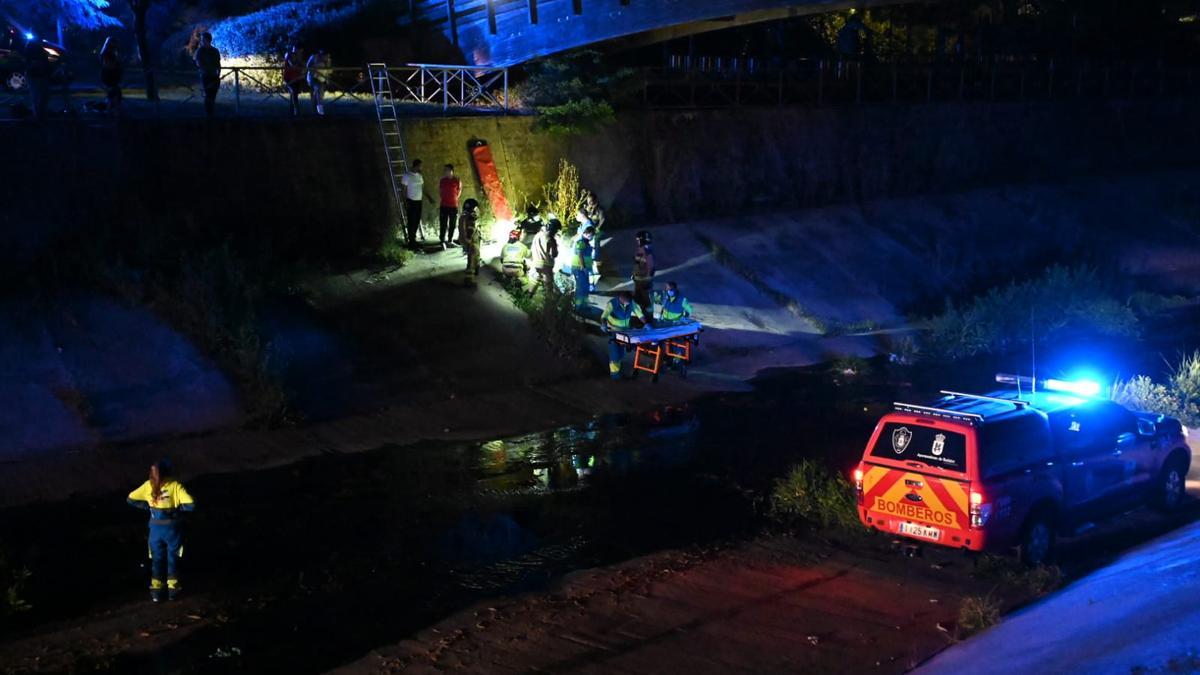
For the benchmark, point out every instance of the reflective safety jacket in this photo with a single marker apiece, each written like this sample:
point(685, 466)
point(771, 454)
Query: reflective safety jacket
point(582, 257)
point(675, 309)
point(172, 499)
point(617, 316)
point(514, 255)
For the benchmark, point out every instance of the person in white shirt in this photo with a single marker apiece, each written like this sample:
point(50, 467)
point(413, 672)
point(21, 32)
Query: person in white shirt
point(414, 194)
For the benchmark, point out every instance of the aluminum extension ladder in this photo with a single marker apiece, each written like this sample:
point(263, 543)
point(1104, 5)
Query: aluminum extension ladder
point(392, 135)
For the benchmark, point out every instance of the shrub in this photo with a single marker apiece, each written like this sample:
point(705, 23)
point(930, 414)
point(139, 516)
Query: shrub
point(810, 494)
point(563, 197)
point(212, 296)
point(571, 93)
point(1036, 581)
point(554, 320)
point(12, 580)
point(976, 613)
point(1179, 397)
point(1038, 310)
point(574, 117)
point(267, 32)
point(393, 252)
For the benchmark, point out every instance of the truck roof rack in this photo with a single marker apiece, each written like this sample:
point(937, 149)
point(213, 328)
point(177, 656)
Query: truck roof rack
point(970, 418)
point(1018, 402)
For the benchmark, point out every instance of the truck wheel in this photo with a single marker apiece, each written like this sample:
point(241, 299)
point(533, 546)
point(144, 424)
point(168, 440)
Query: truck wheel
point(1037, 540)
point(16, 81)
point(1167, 492)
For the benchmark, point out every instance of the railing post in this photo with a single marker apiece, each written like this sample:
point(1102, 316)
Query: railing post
point(506, 91)
point(858, 83)
point(962, 81)
point(445, 89)
point(237, 91)
point(1050, 81)
point(895, 84)
point(929, 85)
point(992, 86)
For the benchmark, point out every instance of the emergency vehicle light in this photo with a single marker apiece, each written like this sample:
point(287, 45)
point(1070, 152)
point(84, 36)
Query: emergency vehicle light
point(28, 36)
point(1078, 387)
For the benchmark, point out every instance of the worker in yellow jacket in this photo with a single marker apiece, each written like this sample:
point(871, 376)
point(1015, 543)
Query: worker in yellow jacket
point(166, 499)
point(616, 317)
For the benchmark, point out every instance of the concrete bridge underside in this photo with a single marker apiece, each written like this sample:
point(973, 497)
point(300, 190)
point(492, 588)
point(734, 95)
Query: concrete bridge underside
point(509, 32)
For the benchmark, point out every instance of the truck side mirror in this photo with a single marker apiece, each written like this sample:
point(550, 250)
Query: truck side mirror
point(1146, 427)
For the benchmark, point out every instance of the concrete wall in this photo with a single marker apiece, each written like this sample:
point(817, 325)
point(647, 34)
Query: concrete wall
point(316, 188)
point(670, 166)
point(302, 189)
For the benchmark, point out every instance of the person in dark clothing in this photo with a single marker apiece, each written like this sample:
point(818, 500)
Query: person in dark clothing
point(208, 61)
point(293, 76)
point(110, 74)
point(37, 71)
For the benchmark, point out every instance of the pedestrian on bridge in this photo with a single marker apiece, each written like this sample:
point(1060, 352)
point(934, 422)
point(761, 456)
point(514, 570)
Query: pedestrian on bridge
point(166, 499)
point(449, 189)
point(414, 194)
point(208, 62)
point(110, 74)
point(320, 66)
point(293, 76)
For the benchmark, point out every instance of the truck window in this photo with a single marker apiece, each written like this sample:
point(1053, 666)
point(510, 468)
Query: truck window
point(916, 443)
point(1013, 444)
point(1091, 428)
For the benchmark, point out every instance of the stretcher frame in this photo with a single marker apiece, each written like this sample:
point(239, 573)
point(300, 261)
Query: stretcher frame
point(650, 355)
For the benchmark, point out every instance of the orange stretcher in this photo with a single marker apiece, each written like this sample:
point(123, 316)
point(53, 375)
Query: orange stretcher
point(654, 347)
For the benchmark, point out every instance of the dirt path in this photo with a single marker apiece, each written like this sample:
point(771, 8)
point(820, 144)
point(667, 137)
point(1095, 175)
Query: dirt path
point(775, 605)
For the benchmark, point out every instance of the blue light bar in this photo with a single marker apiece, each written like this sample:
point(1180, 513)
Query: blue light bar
point(1086, 388)
point(28, 36)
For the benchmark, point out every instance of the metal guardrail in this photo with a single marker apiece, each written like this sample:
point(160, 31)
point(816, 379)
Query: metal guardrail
point(261, 90)
point(832, 82)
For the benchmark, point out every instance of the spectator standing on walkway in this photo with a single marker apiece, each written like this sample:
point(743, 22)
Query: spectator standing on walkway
point(319, 67)
point(849, 44)
point(37, 73)
point(449, 189)
point(208, 62)
point(111, 71)
point(293, 76)
point(414, 193)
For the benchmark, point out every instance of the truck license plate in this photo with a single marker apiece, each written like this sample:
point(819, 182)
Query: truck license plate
point(921, 531)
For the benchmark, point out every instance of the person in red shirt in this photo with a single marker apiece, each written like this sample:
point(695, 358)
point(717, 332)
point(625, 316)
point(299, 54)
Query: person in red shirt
point(450, 189)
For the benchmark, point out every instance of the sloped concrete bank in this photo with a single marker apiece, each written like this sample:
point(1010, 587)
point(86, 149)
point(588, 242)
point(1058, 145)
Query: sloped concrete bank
point(770, 277)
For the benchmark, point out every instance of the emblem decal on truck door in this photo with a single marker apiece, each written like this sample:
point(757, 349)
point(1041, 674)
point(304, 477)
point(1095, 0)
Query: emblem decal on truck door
point(939, 444)
point(900, 440)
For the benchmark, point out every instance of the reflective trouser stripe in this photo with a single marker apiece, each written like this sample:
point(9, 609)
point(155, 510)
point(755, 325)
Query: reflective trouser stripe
point(156, 584)
point(172, 582)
